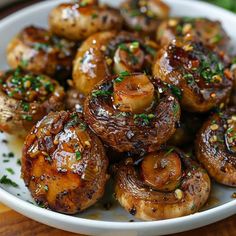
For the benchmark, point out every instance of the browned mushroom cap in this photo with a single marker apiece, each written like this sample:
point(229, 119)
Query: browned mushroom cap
point(130, 113)
point(144, 15)
point(90, 65)
point(64, 164)
point(207, 31)
point(79, 20)
point(165, 184)
point(37, 50)
point(199, 72)
point(216, 147)
point(25, 98)
point(108, 53)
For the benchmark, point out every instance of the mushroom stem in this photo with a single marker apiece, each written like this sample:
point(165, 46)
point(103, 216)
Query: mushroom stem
point(162, 170)
point(134, 93)
point(128, 57)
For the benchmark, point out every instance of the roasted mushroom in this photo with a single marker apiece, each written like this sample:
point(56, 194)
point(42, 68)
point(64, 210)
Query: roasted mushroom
point(64, 164)
point(129, 113)
point(165, 184)
point(207, 31)
point(79, 20)
point(200, 73)
point(216, 147)
point(90, 64)
point(108, 53)
point(36, 49)
point(25, 98)
point(144, 15)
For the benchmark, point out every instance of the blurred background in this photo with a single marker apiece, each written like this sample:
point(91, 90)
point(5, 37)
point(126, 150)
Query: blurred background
point(227, 4)
point(9, 6)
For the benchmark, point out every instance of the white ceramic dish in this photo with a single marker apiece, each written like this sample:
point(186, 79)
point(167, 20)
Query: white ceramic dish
point(97, 220)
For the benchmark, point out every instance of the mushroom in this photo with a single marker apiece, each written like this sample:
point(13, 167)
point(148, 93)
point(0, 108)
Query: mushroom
point(144, 15)
point(79, 20)
point(25, 98)
point(162, 185)
point(129, 113)
point(200, 74)
point(216, 146)
point(36, 49)
point(209, 32)
point(64, 164)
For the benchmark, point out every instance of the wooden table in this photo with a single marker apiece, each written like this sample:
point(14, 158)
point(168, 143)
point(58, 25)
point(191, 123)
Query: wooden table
point(14, 224)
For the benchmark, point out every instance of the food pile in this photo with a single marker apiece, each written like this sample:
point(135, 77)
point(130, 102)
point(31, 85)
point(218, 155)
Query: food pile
point(132, 95)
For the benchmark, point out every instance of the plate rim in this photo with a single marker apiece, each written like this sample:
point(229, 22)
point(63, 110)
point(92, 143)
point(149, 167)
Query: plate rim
point(15, 202)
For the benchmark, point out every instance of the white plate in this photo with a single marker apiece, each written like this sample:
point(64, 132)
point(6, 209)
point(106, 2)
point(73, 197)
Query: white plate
point(97, 220)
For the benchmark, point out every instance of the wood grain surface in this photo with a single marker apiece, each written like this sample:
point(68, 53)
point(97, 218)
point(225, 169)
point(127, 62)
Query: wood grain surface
point(14, 224)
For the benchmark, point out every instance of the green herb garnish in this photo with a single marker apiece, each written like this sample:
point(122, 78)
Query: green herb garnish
point(175, 90)
point(5, 180)
point(101, 93)
point(27, 117)
point(10, 170)
point(143, 118)
point(78, 155)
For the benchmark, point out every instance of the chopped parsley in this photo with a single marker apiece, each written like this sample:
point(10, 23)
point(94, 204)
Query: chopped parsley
point(78, 155)
point(5, 180)
point(101, 93)
point(41, 46)
point(144, 119)
point(24, 63)
point(169, 151)
point(94, 16)
point(217, 38)
point(46, 188)
point(27, 117)
point(10, 170)
point(175, 90)
point(122, 76)
point(25, 106)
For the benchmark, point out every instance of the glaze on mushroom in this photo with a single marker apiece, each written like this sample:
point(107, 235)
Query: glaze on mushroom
point(130, 113)
point(36, 49)
point(25, 98)
point(144, 15)
point(109, 53)
point(216, 147)
point(164, 184)
point(208, 32)
point(79, 20)
point(64, 164)
point(200, 73)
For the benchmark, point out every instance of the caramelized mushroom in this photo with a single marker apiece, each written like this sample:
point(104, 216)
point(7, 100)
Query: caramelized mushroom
point(64, 164)
point(165, 184)
point(90, 63)
point(204, 30)
point(37, 50)
point(138, 121)
point(216, 147)
point(79, 20)
point(108, 53)
point(25, 98)
point(144, 15)
point(199, 72)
